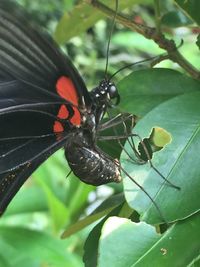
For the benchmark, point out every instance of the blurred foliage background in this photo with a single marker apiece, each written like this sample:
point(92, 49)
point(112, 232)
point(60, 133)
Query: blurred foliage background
point(51, 201)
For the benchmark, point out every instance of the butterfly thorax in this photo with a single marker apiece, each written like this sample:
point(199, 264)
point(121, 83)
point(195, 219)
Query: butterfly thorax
point(105, 95)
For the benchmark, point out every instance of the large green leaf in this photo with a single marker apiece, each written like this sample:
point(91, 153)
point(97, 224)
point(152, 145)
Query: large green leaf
point(178, 162)
point(144, 89)
point(124, 243)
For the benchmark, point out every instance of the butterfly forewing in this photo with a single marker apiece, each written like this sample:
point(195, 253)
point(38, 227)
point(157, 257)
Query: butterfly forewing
point(30, 56)
point(41, 95)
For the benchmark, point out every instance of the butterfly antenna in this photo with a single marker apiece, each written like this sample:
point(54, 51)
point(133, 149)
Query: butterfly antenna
point(133, 64)
point(109, 39)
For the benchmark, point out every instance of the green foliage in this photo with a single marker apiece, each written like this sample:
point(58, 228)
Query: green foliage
point(142, 246)
point(114, 226)
point(82, 17)
point(174, 162)
point(150, 87)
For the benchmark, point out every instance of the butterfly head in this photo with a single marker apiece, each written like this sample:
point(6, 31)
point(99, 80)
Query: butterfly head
point(107, 93)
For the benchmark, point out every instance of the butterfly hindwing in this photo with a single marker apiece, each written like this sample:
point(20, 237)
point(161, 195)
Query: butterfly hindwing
point(13, 177)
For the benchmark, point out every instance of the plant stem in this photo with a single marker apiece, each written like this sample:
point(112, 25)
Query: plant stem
point(150, 33)
point(157, 15)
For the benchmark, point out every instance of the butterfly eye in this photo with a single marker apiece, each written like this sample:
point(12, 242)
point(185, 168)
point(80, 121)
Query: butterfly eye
point(113, 93)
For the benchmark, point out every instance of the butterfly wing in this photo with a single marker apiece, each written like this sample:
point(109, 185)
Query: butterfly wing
point(41, 94)
point(12, 178)
point(33, 57)
point(26, 136)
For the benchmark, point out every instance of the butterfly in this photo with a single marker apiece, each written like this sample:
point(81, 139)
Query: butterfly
point(45, 106)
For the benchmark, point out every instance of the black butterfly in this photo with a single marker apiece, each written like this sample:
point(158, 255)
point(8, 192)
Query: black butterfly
point(45, 105)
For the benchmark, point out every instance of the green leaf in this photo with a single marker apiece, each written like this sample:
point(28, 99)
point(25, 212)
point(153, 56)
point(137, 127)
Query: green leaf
point(28, 199)
point(195, 262)
point(191, 8)
point(142, 246)
point(77, 197)
point(178, 162)
point(107, 206)
point(81, 18)
point(53, 172)
point(59, 213)
point(9, 256)
point(4, 263)
point(145, 89)
point(91, 245)
point(25, 245)
point(175, 19)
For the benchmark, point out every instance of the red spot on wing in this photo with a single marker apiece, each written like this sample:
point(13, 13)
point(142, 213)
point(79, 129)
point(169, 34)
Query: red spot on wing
point(76, 118)
point(63, 112)
point(57, 127)
point(66, 89)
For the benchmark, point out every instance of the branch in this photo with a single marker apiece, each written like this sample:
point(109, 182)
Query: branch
point(150, 33)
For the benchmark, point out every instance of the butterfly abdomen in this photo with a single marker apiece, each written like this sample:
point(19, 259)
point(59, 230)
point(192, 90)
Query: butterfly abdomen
point(88, 162)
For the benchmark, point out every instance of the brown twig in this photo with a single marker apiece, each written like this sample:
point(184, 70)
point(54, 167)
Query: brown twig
point(150, 33)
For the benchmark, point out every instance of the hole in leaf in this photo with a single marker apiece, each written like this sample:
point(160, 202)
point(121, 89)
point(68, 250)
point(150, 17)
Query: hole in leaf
point(157, 139)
